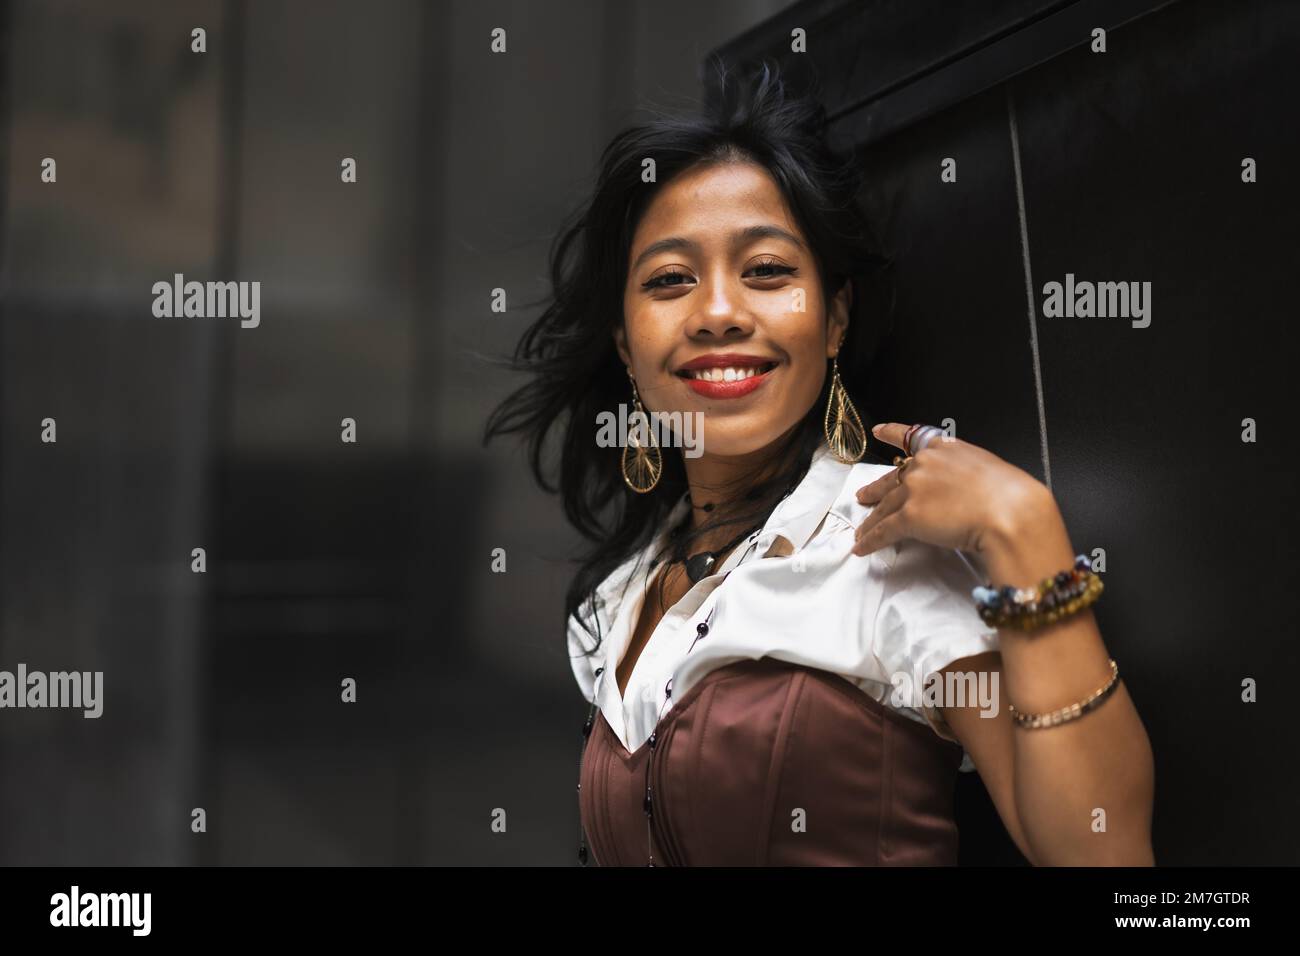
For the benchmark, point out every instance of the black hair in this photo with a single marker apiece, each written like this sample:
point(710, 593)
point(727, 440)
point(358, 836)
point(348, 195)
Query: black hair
point(574, 369)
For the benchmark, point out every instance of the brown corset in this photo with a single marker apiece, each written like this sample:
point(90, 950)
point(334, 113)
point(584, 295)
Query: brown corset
point(746, 747)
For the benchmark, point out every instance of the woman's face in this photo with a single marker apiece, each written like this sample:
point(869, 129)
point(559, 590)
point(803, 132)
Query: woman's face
point(723, 309)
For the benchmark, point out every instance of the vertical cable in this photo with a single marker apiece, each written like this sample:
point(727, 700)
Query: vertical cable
point(1029, 288)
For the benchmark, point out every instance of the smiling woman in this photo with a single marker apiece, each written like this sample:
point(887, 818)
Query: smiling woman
point(741, 332)
point(751, 219)
point(740, 704)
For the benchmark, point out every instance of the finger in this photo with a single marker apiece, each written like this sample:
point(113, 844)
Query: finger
point(870, 493)
point(889, 531)
point(888, 505)
point(890, 432)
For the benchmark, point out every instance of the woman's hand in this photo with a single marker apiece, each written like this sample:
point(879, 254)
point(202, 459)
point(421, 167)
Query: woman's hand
point(953, 494)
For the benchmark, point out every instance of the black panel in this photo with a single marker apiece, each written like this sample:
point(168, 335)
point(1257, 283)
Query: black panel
point(1132, 167)
point(882, 65)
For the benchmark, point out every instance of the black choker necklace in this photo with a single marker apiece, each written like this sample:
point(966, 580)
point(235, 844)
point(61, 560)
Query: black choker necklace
point(699, 566)
point(709, 506)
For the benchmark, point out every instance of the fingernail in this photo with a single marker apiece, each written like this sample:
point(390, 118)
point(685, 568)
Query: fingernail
point(875, 429)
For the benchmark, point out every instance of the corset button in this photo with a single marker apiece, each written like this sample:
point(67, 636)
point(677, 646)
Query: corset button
point(701, 629)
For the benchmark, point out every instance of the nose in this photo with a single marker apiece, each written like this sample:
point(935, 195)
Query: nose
point(723, 313)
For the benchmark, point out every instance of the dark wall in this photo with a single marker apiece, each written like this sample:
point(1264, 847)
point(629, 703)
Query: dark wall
point(325, 560)
point(1117, 166)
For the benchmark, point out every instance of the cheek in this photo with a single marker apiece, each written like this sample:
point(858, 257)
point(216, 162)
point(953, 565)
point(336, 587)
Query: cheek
point(650, 348)
point(808, 359)
point(807, 345)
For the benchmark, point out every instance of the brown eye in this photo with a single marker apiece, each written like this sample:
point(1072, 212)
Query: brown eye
point(774, 269)
point(661, 280)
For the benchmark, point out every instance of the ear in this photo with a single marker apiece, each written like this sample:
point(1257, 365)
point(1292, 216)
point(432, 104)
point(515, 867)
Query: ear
point(620, 343)
point(837, 325)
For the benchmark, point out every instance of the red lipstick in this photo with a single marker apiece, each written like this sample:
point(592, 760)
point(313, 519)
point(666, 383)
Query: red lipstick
point(715, 386)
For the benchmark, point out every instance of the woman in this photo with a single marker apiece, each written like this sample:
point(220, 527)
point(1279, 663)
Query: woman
point(768, 627)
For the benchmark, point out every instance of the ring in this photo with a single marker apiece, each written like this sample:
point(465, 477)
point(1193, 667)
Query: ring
point(902, 463)
point(922, 435)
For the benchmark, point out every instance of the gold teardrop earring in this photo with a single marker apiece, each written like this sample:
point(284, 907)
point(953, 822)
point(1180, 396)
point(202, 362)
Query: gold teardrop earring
point(642, 464)
point(844, 432)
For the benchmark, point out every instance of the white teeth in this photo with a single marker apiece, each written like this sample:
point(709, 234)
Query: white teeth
point(723, 374)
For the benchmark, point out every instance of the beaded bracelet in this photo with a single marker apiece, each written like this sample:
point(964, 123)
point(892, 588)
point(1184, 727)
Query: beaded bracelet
point(1054, 598)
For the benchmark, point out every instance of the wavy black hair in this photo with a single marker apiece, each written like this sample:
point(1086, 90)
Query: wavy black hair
point(569, 354)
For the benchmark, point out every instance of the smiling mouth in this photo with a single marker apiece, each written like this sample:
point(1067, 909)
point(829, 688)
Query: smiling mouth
point(726, 373)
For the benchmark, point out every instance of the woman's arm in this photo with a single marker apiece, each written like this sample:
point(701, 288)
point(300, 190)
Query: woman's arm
point(1075, 794)
point(1080, 793)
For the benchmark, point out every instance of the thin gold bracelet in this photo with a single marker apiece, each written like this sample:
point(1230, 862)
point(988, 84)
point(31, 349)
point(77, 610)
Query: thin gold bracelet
point(1073, 711)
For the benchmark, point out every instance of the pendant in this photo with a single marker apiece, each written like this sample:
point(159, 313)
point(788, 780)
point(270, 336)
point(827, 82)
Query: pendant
point(698, 566)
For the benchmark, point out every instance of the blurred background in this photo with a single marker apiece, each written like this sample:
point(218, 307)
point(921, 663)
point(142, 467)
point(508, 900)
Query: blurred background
point(372, 560)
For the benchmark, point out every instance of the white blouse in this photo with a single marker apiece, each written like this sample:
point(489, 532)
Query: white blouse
point(901, 610)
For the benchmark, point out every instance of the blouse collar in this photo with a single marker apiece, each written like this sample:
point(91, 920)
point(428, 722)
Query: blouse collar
point(795, 518)
point(798, 516)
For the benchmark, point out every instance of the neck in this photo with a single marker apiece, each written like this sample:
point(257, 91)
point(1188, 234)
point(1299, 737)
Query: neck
point(724, 480)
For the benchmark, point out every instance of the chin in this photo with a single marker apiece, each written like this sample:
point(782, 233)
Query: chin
point(733, 443)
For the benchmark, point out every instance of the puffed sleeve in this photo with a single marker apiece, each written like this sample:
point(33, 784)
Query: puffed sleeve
point(927, 619)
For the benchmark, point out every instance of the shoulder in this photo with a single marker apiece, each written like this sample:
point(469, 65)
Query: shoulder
point(846, 506)
point(926, 608)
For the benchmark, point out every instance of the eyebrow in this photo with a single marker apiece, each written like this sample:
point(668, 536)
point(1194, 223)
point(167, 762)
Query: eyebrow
point(739, 238)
